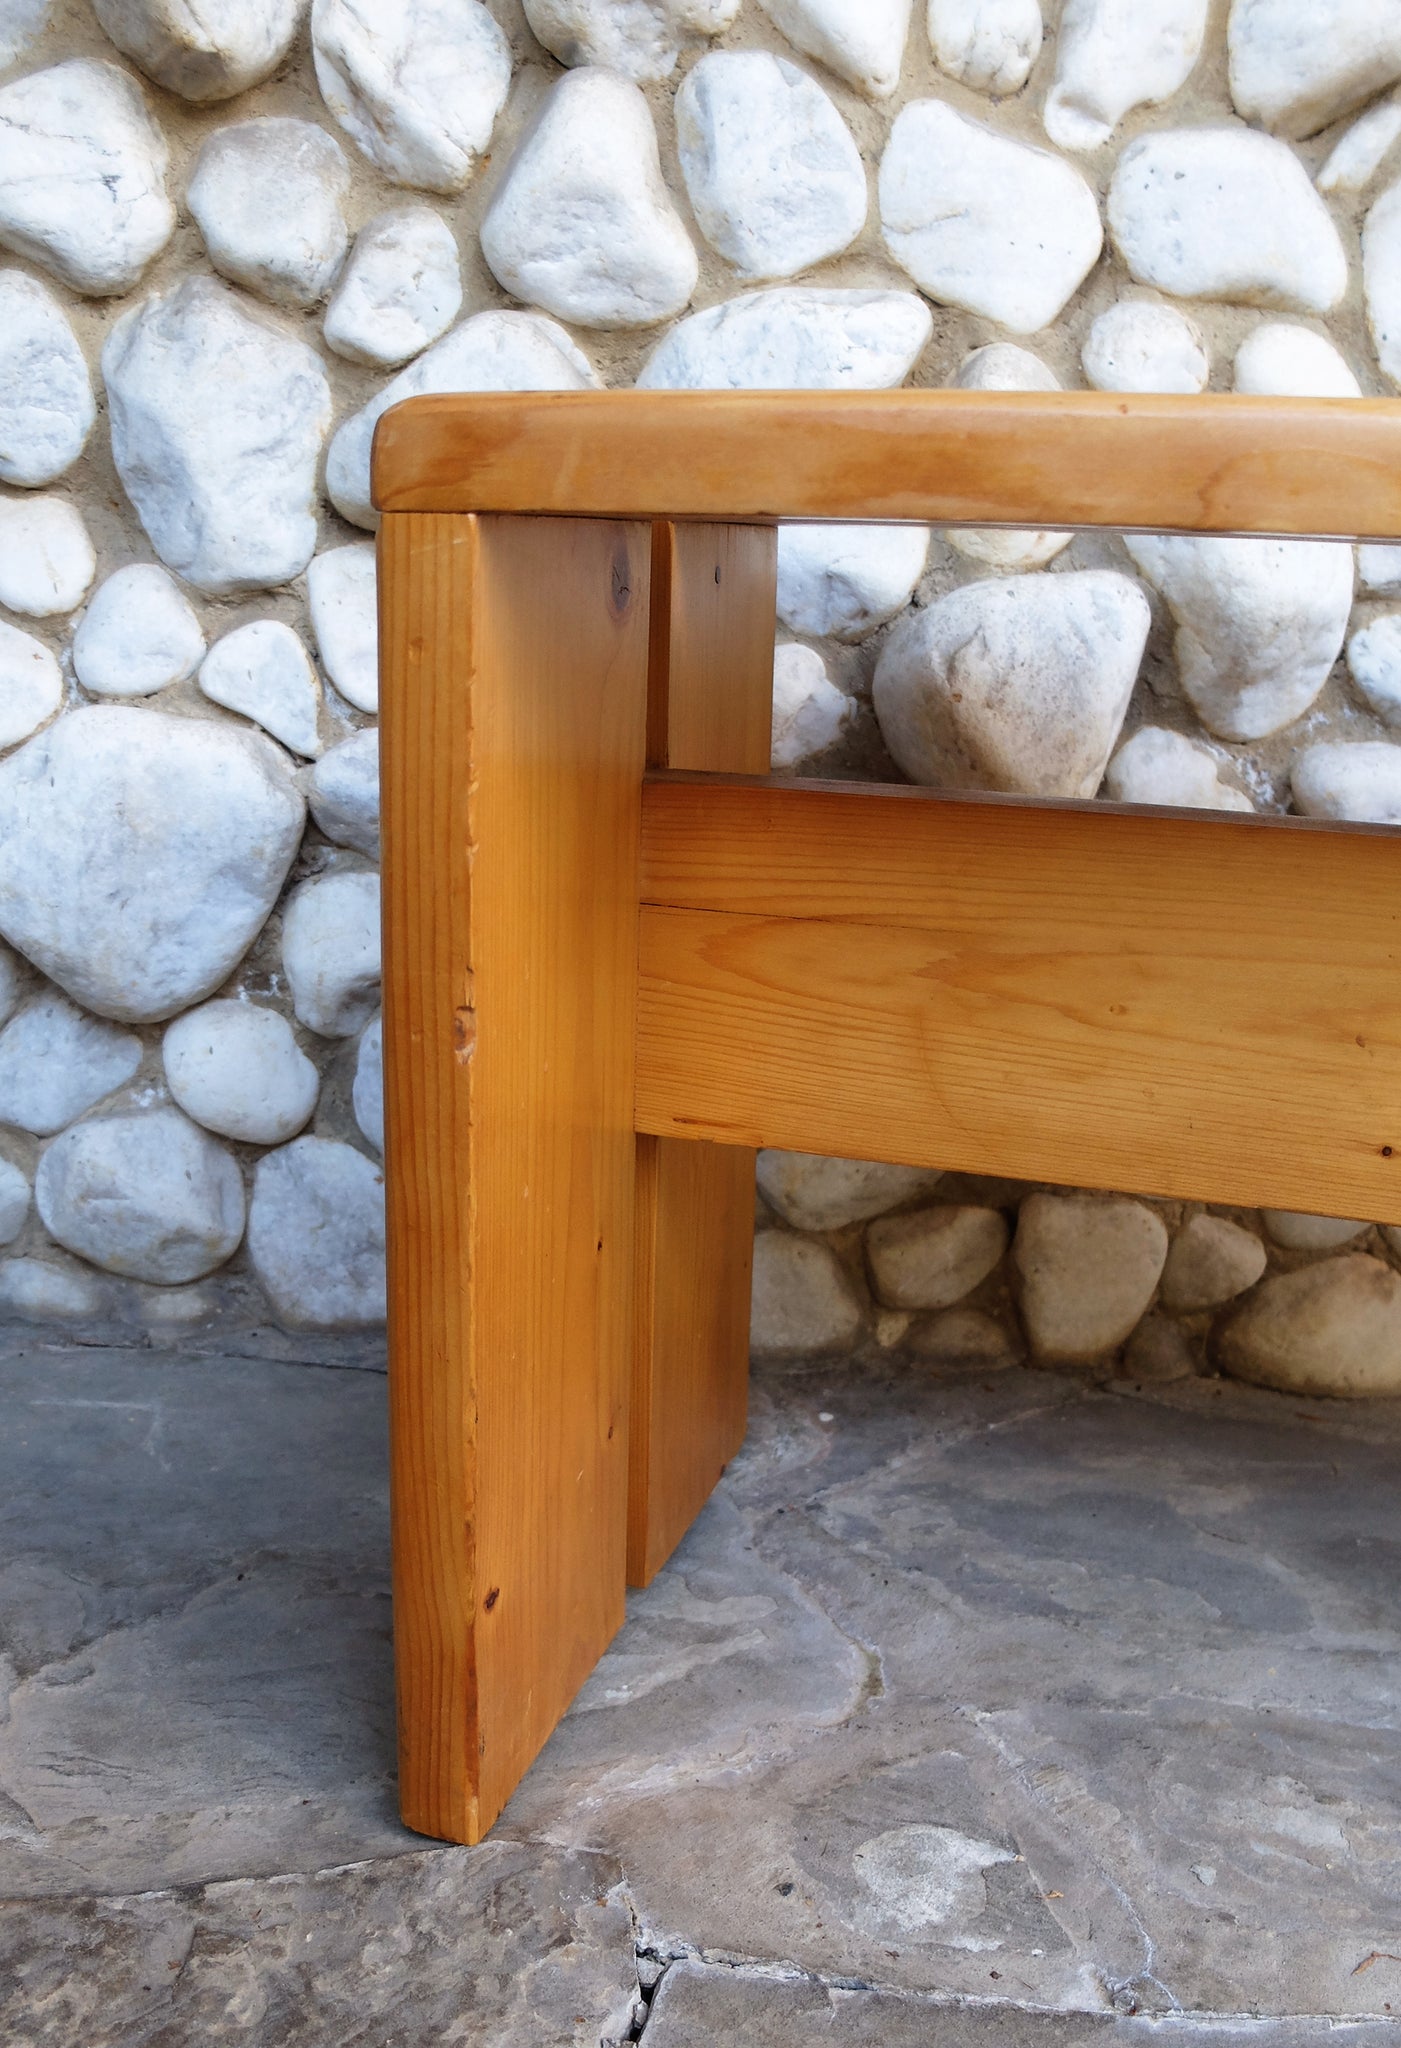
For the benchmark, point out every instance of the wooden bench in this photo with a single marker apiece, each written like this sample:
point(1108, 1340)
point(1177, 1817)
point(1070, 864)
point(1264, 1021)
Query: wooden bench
point(618, 958)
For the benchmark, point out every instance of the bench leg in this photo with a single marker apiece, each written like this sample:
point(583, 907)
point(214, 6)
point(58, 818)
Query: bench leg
point(513, 735)
point(710, 708)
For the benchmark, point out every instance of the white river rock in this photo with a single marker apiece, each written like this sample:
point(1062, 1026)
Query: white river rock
point(138, 634)
point(148, 1195)
point(400, 290)
point(1002, 366)
point(1298, 65)
point(1088, 1267)
point(31, 684)
point(56, 1062)
point(46, 402)
point(1283, 360)
point(931, 1258)
point(1329, 1329)
point(268, 196)
point(342, 596)
point(206, 51)
point(141, 854)
point(46, 559)
point(1220, 213)
point(316, 1235)
point(1260, 623)
point(983, 222)
point(54, 1288)
point(1360, 154)
point(582, 224)
point(490, 352)
point(1161, 767)
point(774, 178)
point(262, 671)
point(1374, 663)
point(794, 338)
point(1379, 570)
point(1114, 55)
point(1212, 1260)
point(82, 176)
point(1299, 1231)
point(416, 84)
point(331, 951)
point(343, 792)
point(809, 711)
point(217, 423)
point(237, 1069)
point(14, 1202)
point(367, 1091)
point(841, 582)
point(812, 1193)
point(642, 39)
point(1138, 345)
point(987, 45)
point(1381, 278)
point(863, 41)
point(1358, 780)
point(803, 1304)
point(22, 22)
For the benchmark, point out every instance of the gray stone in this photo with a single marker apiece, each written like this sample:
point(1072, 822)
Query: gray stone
point(1333, 1328)
point(1381, 278)
point(988, 45)
point(1161, 767)
point(1138, 345)
point(642, 39)
point(863, 41)
point(14, 1201)
point(140, 855)
point(1088, 1267)
point(812, 1193)
point(31, 685)
point(342, 596)
point(1298, 65)
point(400, 290)
point(263, 671)
point(316, 1235)
point(1002, 366)
point(331, 951)
point(931, 1258)
point(217, 423)
point(147, 1195)
point(46, 558)
point(138, 635)
point(1212, 1260)
point(343, 793)
point(1111, 58)
point(55, 1062)
point(1283, 360)
point(804, 1305)
point(1358, 780)
point(236, 1068)
point(809, 711)
point(1159, 1352)
point(46, 402)
point(1299, 1232)
point(964, 1336)
point(1374, 663)
point(793, 338)
point(205, 52)
point(1019, 684)
point(367, 1094)
point(82, 176)
point(22, 22)
point(268, 196)
point(841, 582)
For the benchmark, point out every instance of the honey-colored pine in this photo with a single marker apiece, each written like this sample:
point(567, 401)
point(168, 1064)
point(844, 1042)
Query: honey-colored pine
point(513, 729)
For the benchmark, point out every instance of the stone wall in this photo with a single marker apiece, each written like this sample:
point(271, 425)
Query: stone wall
point(230, 247)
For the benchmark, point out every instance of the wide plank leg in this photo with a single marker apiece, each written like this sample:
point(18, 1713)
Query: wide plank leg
point(513, 733)
point(710, 708)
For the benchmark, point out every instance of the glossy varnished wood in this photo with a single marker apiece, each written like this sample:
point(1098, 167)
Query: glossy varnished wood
point(1216, 464)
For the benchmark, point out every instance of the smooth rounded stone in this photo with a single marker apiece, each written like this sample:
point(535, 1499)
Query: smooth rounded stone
point(931, 1258)
point(51, 1289)
point(1359, 781)
point(46, 401)
point(1281, 360)
point(582, 223)
point(331, 952)
point(1158, 1353)
point(1212, 1260)
point(316, 1235)
point(416, 84)
point(1299, 1231)
point(46, 559)
point(1358, 156)
point(268, 196)
point(148, 1195)
point(217, 423)
point(1379, 570)
point(208, 51)
point(342, 596)
point(140, 855)
point(987, 45)
point(1298, 65)
point(1161, 767)
point(775, 181)
point(1332, 1328)
point(1139, 346)
point(1114, 55)
point(1089, 1266)
point(82, 176)
point(642, 39)
point(841, 582)
point(1374, 663)
point(809, 711)
point(965, 1336)
point(1221, 213)
point(237, 1069)
point(1260, 623)
point(138, 635)
point(56, 1062)
point(863, 41)
point(14, 1202)
point(343, 793)
point(367, 1091)
point(22, 22)
point(31, 685)
point(1381, 278)
point(489, 352)
point(803, 1303)
point(1017, 684)
point(983, 222)
point(400, 290)
point(1002, 366)
point(263, 671)
point(813, 1193)
point(794, 338)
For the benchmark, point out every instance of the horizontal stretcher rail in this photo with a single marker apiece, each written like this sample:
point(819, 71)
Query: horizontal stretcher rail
point(1328, 468)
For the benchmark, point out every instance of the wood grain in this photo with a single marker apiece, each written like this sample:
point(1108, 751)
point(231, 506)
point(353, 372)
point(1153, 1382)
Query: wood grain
point(1209, 463)
point(1171, 1003)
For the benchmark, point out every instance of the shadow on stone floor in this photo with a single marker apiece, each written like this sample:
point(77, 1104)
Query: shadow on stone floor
point(978, 1706)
